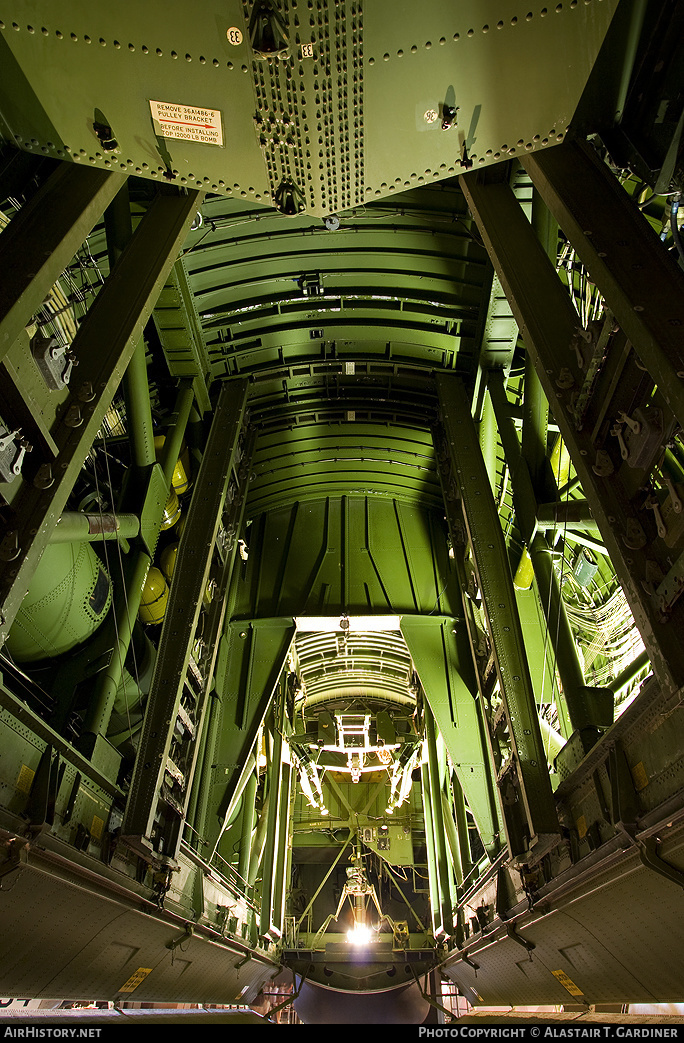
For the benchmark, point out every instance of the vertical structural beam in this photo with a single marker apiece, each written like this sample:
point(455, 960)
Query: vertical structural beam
point(185, 602)
point(641, 282)
point(488, 439)
point(127, 604)
point(42, 239)
point(433, 872)
point(535, 406)
point(250, 662)
point(438, 827)
point(587, 707)
point(196, 809)
point(126, 608)
point(443, 660)
point(267, 926)
point(461, 816)
point(141, 437)
point(456, 878)
point(233, 808)
point(119, 230)
point(104, 345)
point(174, 438)
point(280, 872)
point(138, 410)
point(536, 829)
point(257, 853)
point(534, 427)
point(233, 516)
point(247, 825)
point(201, 780)
point(548, 321)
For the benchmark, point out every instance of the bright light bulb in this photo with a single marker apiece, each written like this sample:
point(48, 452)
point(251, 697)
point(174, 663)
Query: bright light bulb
point(359, 935)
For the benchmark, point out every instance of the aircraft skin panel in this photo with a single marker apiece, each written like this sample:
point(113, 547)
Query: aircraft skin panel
point(606, 942)
point(452, 58)
point(72, 939)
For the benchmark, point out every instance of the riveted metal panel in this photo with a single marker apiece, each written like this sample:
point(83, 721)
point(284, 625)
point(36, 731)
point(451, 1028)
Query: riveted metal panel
point(607, 939)
point(362, 99)
point(71, 942)
point(349, 554)
point(562, 945)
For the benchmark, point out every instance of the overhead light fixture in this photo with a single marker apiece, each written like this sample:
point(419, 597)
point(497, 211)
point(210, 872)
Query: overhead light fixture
point(357, 624)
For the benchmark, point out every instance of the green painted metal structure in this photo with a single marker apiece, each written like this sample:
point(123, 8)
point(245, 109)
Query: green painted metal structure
point(414, 332)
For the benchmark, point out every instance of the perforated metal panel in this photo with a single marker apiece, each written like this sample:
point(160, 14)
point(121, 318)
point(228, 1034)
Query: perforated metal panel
point(70, 942)
point(608, 941)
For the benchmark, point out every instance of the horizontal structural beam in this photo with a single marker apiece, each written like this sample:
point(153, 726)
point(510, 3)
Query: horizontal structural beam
point(574, 514)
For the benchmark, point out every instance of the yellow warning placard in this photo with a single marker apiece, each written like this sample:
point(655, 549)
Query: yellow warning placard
point(640, 776)
point(187, 122)
point(135, 979)
point(25, 778)
point(567, 983)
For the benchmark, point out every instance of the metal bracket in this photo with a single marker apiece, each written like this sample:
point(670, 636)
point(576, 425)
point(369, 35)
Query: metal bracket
point(185, 937)
point(54, 360)
point(670, 588)
point(40, 808)
point(624, 807)
point(267, 31)
point(471, 963)
point(648, 853)
point(40, 811)
point(512, 933)
point(634, 537)
point(289, 199)
point(427, 997)
point(603, 465)
point(645, 435)
point(449, 115)
point(293, 995)
point(13, 448)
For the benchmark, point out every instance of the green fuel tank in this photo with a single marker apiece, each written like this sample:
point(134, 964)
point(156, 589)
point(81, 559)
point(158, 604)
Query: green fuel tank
point(69, 597)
